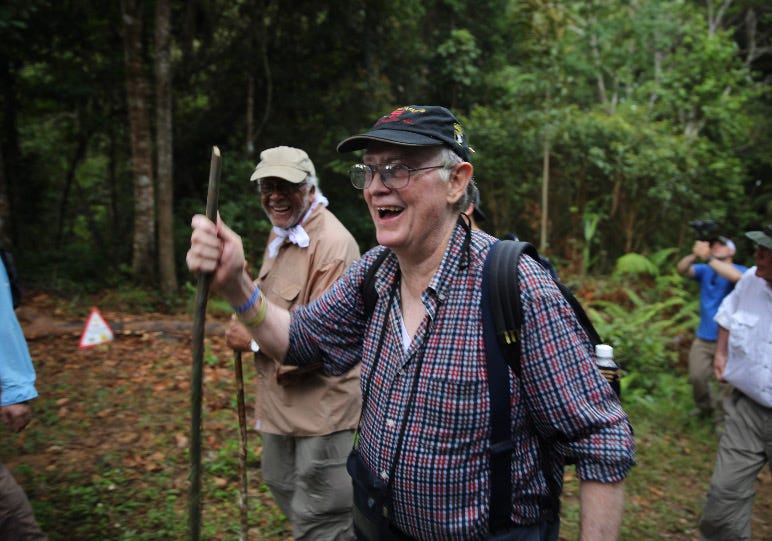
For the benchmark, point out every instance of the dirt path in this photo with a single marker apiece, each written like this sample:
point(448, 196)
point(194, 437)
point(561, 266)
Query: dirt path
point(106, 456)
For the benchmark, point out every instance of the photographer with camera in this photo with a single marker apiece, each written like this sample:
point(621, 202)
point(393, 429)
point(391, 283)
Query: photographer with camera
point(717, 275)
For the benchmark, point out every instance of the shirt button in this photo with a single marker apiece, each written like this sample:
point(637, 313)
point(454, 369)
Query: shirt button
point(390, 423)
point(384, 475)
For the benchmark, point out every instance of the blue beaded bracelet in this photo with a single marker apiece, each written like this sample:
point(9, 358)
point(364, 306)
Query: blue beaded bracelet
point(249, 304)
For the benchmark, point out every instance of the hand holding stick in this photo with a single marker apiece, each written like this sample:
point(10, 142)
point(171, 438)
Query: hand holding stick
point(202, 293)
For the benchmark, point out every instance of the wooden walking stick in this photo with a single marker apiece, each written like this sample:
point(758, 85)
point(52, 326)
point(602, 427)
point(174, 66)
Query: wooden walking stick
point(243, 449)
point(202, 293)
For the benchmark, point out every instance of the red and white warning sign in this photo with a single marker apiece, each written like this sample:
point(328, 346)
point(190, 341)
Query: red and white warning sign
point(96, 331)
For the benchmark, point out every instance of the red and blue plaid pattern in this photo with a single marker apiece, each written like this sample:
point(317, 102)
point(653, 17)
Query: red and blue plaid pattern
point(440, 484)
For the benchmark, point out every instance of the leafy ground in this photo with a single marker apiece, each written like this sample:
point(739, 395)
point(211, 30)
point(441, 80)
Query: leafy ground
point(106, 456)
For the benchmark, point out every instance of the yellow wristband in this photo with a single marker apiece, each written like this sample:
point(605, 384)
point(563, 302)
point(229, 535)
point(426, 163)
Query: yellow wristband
point(259, 317)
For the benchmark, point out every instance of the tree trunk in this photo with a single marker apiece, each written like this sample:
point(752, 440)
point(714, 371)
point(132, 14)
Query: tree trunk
point(166, 267)
point(545, 185)
point(5, 238)
point(9, 152)
point(143, 268)
point(69, 179)
point(267, 79)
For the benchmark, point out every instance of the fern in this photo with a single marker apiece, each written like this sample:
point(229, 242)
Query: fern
point(644, 324)
point(635, 264)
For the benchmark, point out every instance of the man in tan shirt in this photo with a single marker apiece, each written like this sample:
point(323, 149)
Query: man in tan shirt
point(306, 419)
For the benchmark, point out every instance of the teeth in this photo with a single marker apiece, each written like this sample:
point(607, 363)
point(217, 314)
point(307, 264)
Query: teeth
point(389, 209)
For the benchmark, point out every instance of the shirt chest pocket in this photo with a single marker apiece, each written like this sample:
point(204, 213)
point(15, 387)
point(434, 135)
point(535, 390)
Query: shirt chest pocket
point(741, 329)
point(286, 293)
point(451, 411)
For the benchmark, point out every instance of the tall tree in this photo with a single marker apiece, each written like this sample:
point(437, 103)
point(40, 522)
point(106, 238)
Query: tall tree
point(163, 95)
point(137, 86)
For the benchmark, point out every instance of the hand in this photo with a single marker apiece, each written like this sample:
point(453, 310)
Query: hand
point(216, 249)
point(237, 336)
point(719, 364)
point(16, 416)
point(701, 249)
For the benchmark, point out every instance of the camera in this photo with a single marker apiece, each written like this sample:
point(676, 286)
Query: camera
point(704, 229)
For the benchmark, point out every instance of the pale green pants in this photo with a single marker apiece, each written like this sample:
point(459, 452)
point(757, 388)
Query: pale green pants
point(308, 479)
point(744, 449)
point(708, 393)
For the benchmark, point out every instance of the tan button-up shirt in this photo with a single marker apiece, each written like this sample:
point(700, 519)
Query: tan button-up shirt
point(303, 401)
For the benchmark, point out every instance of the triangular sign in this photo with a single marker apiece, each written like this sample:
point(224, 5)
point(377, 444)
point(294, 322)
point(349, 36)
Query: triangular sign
point(96, 331)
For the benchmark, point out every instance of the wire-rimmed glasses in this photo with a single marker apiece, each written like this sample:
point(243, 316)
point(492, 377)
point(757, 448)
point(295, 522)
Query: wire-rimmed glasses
point(393, 175)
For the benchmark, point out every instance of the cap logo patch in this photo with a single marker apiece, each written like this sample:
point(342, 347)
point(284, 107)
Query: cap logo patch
point(395, 116)
point(458, 134)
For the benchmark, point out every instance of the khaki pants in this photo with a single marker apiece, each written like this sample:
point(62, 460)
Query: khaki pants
point(17, 523)
point(308, 479)
point(708, 393)
point(744, 449)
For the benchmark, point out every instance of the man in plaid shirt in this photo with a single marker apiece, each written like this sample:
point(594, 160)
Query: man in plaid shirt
point(422, 454)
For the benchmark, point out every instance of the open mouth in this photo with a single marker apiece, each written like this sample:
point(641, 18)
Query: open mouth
point(388, 212)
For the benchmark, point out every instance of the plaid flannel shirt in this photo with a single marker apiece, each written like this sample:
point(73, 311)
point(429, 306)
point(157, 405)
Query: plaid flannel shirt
point(441, 478)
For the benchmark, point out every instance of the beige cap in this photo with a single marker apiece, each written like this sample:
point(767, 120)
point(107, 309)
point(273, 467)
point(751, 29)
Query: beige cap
point(287, 163)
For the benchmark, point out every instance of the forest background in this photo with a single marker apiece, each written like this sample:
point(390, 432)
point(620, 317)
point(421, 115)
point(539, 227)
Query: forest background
point(600, 129)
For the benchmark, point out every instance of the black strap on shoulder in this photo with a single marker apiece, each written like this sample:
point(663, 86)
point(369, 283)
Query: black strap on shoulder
point(505, 292)
point(501, 443)
point(502, 322)
point(509, 318)
point(369, 295)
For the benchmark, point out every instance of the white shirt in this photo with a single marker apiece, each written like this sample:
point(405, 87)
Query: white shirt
point(747, 314)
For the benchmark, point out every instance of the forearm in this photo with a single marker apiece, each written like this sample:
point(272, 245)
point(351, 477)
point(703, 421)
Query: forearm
point(722, 352)
point(267, 323)
point(273, 333)
point(685, 263)
point(726, 270)
point(602, 505)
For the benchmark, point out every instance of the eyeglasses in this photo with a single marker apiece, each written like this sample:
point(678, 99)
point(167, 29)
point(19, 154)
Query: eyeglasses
point(393, 175)
point(283, 187)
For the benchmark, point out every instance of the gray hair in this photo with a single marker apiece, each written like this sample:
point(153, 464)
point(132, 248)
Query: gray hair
point(312, 180)
point(449, 159)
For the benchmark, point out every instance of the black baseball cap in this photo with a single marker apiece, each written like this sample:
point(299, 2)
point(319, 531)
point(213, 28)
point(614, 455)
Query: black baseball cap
point(414, 125)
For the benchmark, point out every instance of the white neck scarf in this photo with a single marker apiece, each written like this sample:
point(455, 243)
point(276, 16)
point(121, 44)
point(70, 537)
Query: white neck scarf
point(296, 234)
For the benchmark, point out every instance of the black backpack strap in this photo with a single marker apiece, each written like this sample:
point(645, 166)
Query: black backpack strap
point(501, 444)
point(502, 310)
point(369, 295)
point(505, 292)
point(510, 318)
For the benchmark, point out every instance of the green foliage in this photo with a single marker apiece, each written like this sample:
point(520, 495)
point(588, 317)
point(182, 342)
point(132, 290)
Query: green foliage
point(652, 117)
point(458, 58)
point(644, 322)
point(635, 264)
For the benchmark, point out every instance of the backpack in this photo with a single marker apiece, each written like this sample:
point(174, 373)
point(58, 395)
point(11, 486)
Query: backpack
point(502, 319)
point(505, 286)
